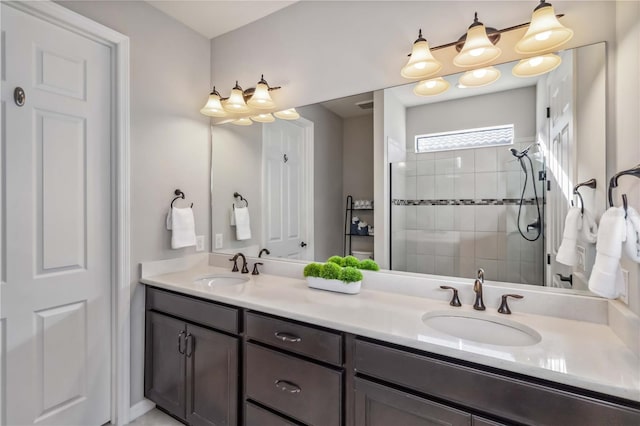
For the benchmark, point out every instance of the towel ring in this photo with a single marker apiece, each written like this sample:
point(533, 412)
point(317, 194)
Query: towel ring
point(591, 183)
point(179, 194)
point(237, 195)
point(613, 183)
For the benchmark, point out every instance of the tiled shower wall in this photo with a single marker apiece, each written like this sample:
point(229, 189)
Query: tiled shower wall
point(460, 213)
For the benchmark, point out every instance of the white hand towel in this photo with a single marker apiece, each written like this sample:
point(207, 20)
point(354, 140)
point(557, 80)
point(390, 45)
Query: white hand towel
point(632, 244)
point(183, 227)
point(606, 277)
point(589, 227)
point(567, 252)
point(243, 226)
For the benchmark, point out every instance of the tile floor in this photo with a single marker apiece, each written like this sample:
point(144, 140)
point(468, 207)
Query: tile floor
point(155, 417)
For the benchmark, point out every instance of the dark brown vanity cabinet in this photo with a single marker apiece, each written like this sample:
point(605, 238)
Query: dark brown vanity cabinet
point(191, 370)
point(293, 370)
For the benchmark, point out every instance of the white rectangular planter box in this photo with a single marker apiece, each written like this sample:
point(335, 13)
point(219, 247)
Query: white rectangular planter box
point(334, 285)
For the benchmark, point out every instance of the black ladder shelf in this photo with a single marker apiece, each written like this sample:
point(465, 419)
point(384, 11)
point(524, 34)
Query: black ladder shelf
point(348, 216)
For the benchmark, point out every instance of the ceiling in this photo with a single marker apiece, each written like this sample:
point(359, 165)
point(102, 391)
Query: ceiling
point(214, 18)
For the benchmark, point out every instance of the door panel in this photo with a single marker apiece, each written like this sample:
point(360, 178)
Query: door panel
point(212, 377)
point(56, 300)
point(164, 362)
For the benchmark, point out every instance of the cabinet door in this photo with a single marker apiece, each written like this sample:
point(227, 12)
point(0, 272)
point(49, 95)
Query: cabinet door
point(378, 405)
point(164, 364)
point(212, 377)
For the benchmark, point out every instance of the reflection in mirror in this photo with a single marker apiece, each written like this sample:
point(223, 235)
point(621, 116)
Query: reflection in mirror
point(479, 177)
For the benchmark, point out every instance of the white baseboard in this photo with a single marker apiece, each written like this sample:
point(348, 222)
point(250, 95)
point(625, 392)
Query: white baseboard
point(140, 409)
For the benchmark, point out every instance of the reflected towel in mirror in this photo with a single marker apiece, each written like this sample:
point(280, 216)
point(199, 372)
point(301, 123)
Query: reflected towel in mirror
point(576, 223)
point(632, 244)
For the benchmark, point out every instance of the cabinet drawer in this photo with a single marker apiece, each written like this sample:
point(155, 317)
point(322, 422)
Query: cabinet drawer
point(300, 389)
point(256, 416)
point(309, 341)
point(195, 310)
point(378, 405)
point(504, 397)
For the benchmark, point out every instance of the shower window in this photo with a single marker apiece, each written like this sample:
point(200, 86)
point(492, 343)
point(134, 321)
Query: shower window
point(465, 139)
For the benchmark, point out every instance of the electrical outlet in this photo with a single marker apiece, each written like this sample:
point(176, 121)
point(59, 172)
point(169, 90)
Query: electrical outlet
point(199, 242)
point(219, 240)
point(625, 295)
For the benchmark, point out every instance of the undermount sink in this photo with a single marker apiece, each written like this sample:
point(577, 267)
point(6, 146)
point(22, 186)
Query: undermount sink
point(482, 328)
point(220, 280)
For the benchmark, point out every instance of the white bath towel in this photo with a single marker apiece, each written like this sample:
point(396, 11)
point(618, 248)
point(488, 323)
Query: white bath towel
point(567, 252)
point(243, 225)
point(606, 277)
point(182, 225)
point(632, 244)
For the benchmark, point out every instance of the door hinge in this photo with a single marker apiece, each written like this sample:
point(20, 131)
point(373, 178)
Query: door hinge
point(548, 259)
point(548, 112)
point(548, 185)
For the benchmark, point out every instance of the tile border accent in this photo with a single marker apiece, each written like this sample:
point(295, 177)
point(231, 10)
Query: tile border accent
point(466, 202)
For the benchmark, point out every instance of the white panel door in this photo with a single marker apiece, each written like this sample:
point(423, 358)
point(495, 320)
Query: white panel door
point(57, 270)
point(286, 222)
point(561, 167)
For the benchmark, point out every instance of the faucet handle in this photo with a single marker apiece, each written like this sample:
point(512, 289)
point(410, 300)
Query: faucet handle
point(255, 268)
point(481, 275)
point(455, 301)
point(504, 307)
point(235, 264)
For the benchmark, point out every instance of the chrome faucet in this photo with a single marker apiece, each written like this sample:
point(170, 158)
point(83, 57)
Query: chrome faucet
point(478, 305)
point(234, 259)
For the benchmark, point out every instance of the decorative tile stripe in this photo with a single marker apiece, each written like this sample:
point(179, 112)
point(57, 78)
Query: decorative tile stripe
point(467, 202)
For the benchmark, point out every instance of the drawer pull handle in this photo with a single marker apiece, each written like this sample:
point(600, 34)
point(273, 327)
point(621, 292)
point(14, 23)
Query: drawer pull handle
point(180, 336)
point(287, 337)
point(285, 386)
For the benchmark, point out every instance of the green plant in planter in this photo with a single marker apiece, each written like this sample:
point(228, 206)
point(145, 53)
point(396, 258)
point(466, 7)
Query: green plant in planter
point(350, 275)
point(369, 265)
point(313, 270)
point(337, 260)
point(331, 271)
point(351, 261)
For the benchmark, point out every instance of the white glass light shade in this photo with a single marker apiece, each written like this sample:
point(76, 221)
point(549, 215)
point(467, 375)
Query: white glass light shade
point(432, 87)
point(213, 107)
point(537, 65)
point(236, 102)
point(545, 32)
point(287, 114)
point(244, 121)
point(264, 118)
point(421, 63)
point(477, 50)
point(261, 98)
point(479, 77)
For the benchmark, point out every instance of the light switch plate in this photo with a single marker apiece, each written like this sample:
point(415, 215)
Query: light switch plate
point(199, 242)
point(219, 241)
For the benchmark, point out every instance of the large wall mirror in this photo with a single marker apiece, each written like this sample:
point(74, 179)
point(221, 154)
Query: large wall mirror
point(475, 177)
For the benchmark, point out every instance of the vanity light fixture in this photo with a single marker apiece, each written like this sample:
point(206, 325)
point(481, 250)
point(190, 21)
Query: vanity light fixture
point(545, 32)
point(263, 118)
point(261, 98)
point(213, 107)
point(235, 102)
point(537, 65)
point(421, 62)
point(287, 114)
point(244, 121)
point(480, 77)
point(478, 49)
point(432, 87)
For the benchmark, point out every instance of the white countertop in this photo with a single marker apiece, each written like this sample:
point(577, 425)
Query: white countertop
point(581, 354)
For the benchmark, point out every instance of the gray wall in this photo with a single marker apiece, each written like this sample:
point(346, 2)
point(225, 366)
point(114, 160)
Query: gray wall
point(515, 107)
point(169, 137)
